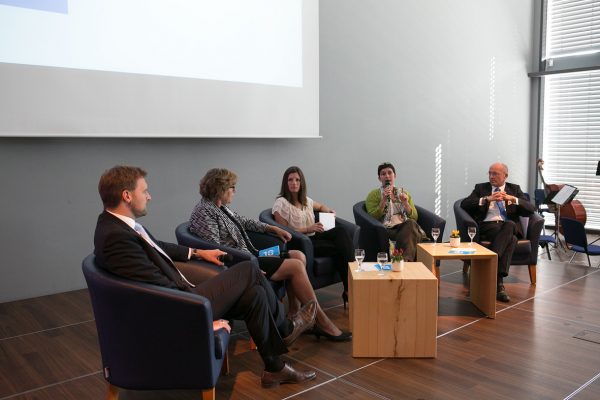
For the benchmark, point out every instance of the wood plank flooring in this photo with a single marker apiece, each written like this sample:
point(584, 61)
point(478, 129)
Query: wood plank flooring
point(49, 349)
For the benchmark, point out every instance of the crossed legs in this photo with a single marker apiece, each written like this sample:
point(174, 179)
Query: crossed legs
point(293, 270)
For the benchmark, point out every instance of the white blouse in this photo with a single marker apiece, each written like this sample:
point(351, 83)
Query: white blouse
point(297, 218)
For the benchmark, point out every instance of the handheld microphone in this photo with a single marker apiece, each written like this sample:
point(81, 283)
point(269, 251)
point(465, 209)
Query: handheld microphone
point(386, 184)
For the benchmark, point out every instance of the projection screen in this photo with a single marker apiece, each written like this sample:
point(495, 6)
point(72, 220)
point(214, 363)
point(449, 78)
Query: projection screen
point(159, 68)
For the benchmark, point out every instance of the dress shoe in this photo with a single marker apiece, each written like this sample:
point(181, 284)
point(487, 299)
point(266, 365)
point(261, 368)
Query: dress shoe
point(342, 337)
point(303, 320)
point(286, 375)
point(501, 294)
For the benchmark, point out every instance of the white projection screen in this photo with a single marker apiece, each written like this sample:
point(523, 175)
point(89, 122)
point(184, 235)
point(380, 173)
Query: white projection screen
point(159, 68)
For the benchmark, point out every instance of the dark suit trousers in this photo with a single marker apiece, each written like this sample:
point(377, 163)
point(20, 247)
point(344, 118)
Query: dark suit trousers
point(242, 292)
point(502, 236)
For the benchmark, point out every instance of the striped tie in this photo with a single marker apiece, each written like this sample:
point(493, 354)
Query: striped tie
point(142, 232)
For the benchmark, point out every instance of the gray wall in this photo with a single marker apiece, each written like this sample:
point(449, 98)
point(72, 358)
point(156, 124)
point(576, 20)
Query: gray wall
point(438, 88)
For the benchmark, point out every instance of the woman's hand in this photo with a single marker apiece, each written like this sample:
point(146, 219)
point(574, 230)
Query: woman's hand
point(211, 256)
point(281, 234)
point(316, 227)
point(221, 324)
point(388, 191)
point(402, 197)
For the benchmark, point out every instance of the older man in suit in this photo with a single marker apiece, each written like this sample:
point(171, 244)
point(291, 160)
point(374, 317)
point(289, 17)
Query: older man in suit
point(496, 206)
point(125, 248)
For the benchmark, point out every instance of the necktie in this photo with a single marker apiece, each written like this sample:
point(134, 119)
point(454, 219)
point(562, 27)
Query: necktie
point(142, 232)
point(501, 207)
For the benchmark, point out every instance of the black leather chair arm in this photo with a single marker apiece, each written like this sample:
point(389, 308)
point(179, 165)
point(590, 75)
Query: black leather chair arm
point(428, 220)
point(187, 238)
point(299, 240)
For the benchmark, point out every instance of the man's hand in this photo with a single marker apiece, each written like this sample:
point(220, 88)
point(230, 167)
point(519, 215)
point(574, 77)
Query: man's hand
point(211, 256)
point(221, 324)
point(502, 196)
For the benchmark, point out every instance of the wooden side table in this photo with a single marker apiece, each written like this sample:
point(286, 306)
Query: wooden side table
point(394, 315)
point(483, 272)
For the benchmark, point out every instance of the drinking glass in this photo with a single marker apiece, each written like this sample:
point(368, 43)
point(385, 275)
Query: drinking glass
point(382, 258)
point(471, 231)
point(359, 256)
point(435, 233)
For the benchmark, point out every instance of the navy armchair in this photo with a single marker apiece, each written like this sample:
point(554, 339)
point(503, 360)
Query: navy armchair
point(153, 337)
point(321, 270)
point(374, 236)
point(526, 251)
point(576, 239)
point(260, 241)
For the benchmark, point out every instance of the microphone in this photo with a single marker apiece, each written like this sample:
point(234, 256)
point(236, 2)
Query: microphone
point(386, 184)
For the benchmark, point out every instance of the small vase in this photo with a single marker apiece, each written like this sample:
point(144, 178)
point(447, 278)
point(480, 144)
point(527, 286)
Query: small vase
point(455, 242)
point(398, 266)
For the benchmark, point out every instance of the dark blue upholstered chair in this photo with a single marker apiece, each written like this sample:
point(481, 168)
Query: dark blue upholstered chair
point(576, 239)
point(526, 251)
point(321, 270)
point(260, 240)
point(374, 237)
point(152, 337)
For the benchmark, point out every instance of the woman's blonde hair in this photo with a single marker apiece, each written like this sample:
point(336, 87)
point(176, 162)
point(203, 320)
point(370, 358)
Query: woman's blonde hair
point(216, 182)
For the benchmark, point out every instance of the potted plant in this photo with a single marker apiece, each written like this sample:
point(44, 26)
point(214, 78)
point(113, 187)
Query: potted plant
point(455, 238)
point(397, 258)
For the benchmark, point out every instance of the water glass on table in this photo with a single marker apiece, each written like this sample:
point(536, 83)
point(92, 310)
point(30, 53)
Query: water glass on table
point(435, 233)
point(472, 231)
point(382, 258)
point(359, 256)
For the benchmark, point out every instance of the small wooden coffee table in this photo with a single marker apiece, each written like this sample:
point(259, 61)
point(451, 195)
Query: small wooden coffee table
point(483, 272)
point(394, 315)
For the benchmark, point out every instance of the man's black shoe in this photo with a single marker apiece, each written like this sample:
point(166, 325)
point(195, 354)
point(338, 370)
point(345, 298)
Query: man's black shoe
point(501, 294)
point(286, 375)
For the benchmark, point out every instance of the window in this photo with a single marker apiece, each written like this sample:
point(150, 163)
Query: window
point(570, 135)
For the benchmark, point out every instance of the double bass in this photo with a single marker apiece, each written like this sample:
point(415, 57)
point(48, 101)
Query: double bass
point(573, 209)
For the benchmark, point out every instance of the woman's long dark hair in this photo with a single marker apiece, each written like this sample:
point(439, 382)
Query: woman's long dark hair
point(285, 189)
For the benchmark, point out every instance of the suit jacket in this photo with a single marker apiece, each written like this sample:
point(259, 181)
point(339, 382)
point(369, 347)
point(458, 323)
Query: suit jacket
point(122, 251)
point(513, 211)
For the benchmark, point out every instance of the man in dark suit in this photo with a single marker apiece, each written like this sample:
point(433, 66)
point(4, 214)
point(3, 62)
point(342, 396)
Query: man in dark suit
point(496, 206)
point(125, 248)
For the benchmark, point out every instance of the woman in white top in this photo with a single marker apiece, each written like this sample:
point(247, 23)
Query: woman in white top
point(295, 209)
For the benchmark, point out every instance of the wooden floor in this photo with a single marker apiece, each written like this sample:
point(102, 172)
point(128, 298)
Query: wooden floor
point(49, 350)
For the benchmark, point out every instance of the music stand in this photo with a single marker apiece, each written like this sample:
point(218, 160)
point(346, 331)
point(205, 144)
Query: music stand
point(560, 198)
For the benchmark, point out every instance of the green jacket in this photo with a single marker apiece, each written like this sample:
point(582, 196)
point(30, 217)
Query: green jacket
point(372, 205)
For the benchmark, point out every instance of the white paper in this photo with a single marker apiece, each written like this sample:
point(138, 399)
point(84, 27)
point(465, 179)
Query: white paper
point(369, 267)
point(328, 220)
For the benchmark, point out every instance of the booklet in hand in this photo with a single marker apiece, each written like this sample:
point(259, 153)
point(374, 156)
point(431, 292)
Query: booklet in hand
point(269, 252)
point(328, 220)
